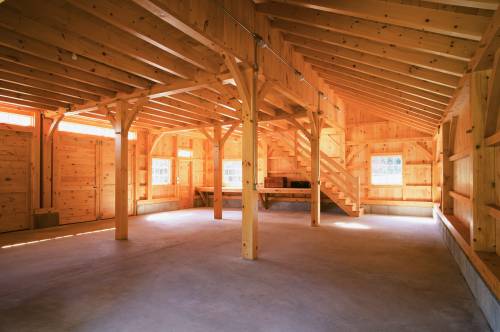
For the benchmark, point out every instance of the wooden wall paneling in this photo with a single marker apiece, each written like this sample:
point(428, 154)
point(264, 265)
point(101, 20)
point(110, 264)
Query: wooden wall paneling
point(141, 161)
point(447, 203)
point(15, 180)
point(262, 163)
point(99, 180)
point(483, 169)
point(185, 173)
point(75, 186)
point(198, 162)
point(368, 135)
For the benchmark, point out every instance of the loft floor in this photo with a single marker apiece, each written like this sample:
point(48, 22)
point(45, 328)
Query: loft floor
point(180, 271)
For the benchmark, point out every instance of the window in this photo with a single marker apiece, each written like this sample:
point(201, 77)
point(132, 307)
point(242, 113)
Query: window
point(85, 129)
point(387, 170)
point(184, 153)
point(161, 171)
point(16, 119)
point(231, 173)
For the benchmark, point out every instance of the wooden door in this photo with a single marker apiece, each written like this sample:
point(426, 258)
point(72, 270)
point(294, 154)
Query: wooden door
point(184, 184)
point(75, 177)
point(107, 178)
point(15, 180)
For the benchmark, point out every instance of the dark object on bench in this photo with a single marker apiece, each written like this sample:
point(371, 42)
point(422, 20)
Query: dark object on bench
point(300, 184)
point(275, 182)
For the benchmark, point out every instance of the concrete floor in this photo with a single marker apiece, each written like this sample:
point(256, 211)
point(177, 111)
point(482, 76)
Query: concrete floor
point(180, 271)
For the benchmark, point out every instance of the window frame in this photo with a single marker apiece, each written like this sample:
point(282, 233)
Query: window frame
point(387, 154)
point(223, 175)
point(170, 176)
point(185, 157)
point(21, 114)
point(106, 132)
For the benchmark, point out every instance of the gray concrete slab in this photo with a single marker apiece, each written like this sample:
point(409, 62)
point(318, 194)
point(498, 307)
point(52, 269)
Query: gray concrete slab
point(180, 271)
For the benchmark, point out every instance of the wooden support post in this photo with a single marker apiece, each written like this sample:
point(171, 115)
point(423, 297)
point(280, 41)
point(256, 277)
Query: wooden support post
point(217, 156)
point(249, 169)
point(483, 167)
point(125, 115)
point(150, 141)
point(246, 82)
point(449, 129)
point(315, 170)
point(47, 159)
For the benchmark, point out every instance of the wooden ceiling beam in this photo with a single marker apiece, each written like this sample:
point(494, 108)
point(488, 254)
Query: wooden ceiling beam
point(395, 77)
point(275, 100)
point(328, 42)
point(351, 81)
point(166, 13)
point(94, 84)
point(267, 108)
point(92, 118)
point(40, 92)
point(389, 96)
point(396, 113)
point(433, 118)
point(161, 115)
point(403, 121)
point(390, 99)
point(217, 99)
point(429, 42)
point(177, 112)
point(29, 97)
point(142, 24)
point(52, 53)
point(19, 70)
point(333, 71)
point(31, 82)
point(197, 101)
point(179, 104)
point(408, 119)
point(480, 4)
point(262, 120)
point(21, 102)
point(341, 57)
point(155, 91)
point(443, 22)
point(65, 17)
point(79, 45)
point(490, 43)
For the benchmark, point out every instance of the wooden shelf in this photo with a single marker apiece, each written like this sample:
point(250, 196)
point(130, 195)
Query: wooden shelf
point(493, 211)
point(460, 197)
point(493, 140)
point(419, 164)
point(460, 155)
point(396, 202)
point(451, 222)
point(418, 185)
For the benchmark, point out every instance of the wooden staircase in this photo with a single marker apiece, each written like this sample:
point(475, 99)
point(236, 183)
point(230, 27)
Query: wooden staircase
point(336, 182)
